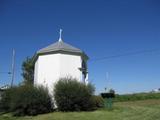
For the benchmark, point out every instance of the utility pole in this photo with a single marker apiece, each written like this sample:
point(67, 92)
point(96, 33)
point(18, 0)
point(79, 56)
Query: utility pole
point(13, 68)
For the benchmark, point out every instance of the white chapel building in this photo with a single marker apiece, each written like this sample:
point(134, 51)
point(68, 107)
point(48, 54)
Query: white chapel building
point(59, 60)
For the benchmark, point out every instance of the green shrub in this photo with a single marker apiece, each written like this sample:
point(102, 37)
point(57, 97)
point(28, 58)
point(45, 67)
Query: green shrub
point(6, 99)
point(71, 95)
point(98, 101)
point(27, 100)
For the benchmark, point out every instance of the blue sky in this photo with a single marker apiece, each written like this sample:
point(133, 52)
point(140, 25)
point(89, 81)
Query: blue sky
point(101, 28)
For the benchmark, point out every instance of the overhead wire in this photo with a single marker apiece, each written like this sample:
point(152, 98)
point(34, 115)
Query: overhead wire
point(126, 54)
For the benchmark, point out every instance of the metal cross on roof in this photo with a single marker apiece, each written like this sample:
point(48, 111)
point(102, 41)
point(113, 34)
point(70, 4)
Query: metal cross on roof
point(60, 35)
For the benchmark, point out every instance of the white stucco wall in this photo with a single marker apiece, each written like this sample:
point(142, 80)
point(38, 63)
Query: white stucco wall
point(36, 72)
point(49, 68)
point(69, 66)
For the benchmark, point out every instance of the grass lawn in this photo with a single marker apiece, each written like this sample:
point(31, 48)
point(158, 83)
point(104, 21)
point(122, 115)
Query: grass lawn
point(137, 110)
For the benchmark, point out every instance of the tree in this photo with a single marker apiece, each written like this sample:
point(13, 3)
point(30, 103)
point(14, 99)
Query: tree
point(28, 70)
point(112, 91)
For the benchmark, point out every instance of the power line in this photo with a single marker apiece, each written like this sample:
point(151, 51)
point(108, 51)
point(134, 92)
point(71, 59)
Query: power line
point(5, 72)
point(12, 72)
point(125, 54)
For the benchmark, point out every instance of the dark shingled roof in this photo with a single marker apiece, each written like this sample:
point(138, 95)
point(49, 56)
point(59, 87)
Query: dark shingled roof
point(61, 46)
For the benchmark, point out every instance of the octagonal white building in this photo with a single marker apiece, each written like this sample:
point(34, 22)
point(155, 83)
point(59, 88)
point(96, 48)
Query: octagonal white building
point(59, 60)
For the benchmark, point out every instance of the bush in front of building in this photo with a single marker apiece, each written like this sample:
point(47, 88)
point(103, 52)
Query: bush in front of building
point(98, 101)
point(27, 100)
point(6, 99)
point(71, 95)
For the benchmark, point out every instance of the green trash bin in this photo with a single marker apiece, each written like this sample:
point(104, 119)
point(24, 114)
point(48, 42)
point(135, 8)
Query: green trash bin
point(109, 103)
point(108, 97)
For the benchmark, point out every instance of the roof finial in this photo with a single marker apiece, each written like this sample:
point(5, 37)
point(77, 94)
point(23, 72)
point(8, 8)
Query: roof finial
point(60, 35)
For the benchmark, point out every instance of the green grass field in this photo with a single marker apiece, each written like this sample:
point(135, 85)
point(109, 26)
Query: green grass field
point(137, 110)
